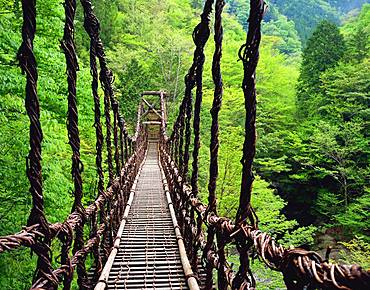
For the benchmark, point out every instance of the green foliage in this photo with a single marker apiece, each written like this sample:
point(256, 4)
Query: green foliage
point(347, 5)
point(266, 278)
point(276, 80)
point(132, 82)
point(148, 46)
point(311, 170)
point(321, 204)
point(293, 21)
point(357, 32)
point(356, 251)
point(279, 25)
point(346, 92)
point(275, 24)
point(306, 14)
point(16, 268)
point(323, 51)
point(335, 152)
point(356, 217)
point(9, 6)
point(302, 236)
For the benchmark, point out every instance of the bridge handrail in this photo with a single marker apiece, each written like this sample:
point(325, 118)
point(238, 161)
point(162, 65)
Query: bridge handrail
point(105, 213)
point(296, 264)
point(299, 267)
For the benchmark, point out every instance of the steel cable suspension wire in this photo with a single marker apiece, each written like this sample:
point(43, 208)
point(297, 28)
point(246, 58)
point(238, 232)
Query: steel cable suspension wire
point(27, 62)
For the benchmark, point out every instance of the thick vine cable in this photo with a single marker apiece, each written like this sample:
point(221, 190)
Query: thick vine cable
point(300, 268)
point(69, 49)
point(27, 62)
point(214, 144)
point(91, 25)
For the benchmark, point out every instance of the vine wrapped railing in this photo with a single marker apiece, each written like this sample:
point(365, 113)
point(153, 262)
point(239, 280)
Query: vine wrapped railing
point(103, 216)
point(301, 269)
point(205, 233)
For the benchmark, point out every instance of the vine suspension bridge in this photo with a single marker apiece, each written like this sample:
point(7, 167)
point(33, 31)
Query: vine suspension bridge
point(147, 228)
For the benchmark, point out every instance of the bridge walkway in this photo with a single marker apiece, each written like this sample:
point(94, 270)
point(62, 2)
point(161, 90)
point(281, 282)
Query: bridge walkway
point(148, 256)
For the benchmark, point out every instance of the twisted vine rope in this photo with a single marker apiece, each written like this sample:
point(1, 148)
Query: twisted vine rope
point(104, 213)
point(299, 267)
point(41, 243)
point(214, 144)
point(91, 26)
point(69, 49)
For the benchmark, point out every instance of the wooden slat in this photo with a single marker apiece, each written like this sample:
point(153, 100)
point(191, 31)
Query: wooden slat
point(148, 256)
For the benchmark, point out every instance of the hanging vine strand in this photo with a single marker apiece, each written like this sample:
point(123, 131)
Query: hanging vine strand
point(203, 234)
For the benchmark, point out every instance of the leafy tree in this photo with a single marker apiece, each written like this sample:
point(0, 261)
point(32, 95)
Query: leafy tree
point(239, 8)
point(356, 250)
point(306, 14)
point(355, 218)
point(149, 46)
point(275, 24)
point(347, 5)
point(133, 80)
point(323, 51)
point(357, 34)
point(337, 154)
point(196, 4)
point(346, 92)
point(10, 6)
point(280, 26)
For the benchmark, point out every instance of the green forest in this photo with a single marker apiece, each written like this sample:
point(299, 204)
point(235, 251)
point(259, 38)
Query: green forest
point(312, 186)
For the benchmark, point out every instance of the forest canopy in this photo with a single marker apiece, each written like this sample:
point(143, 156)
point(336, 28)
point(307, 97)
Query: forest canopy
point(313, 82)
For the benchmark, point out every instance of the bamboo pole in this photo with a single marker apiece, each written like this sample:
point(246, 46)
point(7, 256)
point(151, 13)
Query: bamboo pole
point(190, 279)
point(103, 279)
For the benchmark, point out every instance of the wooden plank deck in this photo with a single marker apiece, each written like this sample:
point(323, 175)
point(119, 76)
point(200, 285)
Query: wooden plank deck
point(148, 256)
